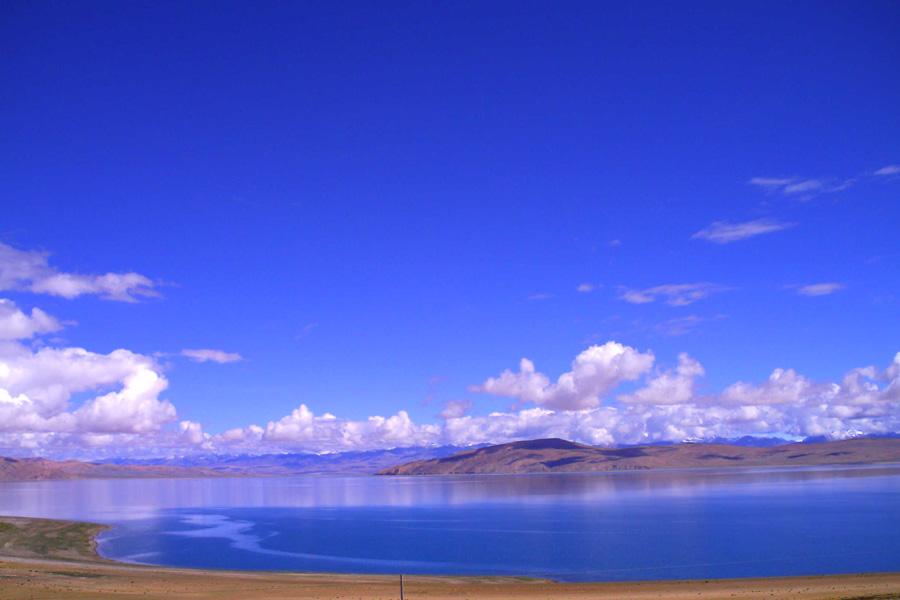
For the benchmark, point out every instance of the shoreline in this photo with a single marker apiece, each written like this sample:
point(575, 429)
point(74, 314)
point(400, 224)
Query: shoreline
point(44, 558)
point(738, 469)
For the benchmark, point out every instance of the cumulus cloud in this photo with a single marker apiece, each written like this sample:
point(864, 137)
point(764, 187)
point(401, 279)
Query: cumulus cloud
point(191, 433)
point(820, 289)
point(674, 294)
point(303, 429)
point(210, 355)
point(30, 271)
point(670, 387)
point(36, 388)
point(71, 400)
point(668, 408)
point(594, 372)
point(888, 170)
point(18, 325)
point(724, 232)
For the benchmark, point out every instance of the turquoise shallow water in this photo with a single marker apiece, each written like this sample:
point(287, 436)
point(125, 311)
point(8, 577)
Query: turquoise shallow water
point(585, 527)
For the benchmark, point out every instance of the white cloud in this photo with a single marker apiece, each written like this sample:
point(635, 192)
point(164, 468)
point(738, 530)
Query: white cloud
point(29, 271)
point(784, 386)
point(540, 296)
point(788, 185)
point(36, 388)
point(723, 232)
point(302, 429)
point(670, 387)
point(70, 396)
point(455, 409)
point(820, 289)
point(210, 355)
point(594, 372)
point(585, 288)
point(888, 170)
point(667, 408)
point(17, 325)
point(674, 294)
point(802, 187)
point(191, 433)
point(71, 400)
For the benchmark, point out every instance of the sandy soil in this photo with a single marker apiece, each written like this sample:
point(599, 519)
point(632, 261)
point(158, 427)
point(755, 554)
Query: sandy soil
point(39, 580)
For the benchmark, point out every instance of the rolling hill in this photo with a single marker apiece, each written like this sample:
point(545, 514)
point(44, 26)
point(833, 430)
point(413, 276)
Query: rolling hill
point(557, 455)
point(35, 469)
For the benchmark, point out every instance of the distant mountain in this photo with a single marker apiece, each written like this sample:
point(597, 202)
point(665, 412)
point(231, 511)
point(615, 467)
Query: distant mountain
point(31, 469)
point(211, 465)
point(751, 441)
point(557, 455)
point(350, 463)
point(517, 457)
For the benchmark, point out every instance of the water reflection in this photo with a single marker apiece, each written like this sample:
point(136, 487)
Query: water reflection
point(133, 499)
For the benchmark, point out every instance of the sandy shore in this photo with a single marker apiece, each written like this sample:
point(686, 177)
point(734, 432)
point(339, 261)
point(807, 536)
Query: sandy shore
point(42, 559)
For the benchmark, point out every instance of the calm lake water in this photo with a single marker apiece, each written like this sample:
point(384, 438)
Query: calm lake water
point(573, 527)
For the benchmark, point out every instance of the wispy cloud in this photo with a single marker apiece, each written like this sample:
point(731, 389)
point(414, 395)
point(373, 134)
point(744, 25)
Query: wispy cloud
point(773, 183)
point(674, 294)
point(888, 170)
point(799, 186)
point(684, 325)
point(807, 187)
point(820, 289)
point(211, 355)
point(586, 288)
point(725, 232)
point(540, 296)
point(680, 325)
point(306, 330)
point(455, 409)
point(29, 271)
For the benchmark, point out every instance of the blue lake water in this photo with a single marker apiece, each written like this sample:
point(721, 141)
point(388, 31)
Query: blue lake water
point(571, 527)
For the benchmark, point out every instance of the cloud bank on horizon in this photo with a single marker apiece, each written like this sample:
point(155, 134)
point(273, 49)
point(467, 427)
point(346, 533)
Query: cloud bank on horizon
point(124, 410)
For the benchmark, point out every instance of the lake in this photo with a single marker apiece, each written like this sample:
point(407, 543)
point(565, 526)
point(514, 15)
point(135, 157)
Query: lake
point(569, 527)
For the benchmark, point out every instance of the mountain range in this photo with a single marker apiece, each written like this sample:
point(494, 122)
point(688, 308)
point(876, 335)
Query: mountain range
point(532, 456)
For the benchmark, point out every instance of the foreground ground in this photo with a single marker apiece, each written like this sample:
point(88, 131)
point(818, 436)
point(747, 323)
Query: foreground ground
point(43, 560)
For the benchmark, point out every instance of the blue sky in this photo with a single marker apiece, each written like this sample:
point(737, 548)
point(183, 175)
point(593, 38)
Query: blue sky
point(380, 207)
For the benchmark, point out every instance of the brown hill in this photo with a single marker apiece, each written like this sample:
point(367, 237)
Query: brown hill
point(31, 469)
point(556, 455)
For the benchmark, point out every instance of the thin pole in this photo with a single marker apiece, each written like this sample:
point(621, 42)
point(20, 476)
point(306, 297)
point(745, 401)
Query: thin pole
point(401, 586)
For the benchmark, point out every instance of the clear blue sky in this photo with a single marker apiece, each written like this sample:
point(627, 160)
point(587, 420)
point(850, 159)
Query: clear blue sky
point(379, 205)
